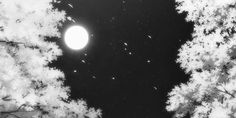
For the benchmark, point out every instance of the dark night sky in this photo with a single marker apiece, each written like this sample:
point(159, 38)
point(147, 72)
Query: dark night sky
point(129, 64)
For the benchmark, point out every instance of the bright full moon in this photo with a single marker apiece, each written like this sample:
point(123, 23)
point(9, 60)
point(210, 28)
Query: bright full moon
point(76, 37)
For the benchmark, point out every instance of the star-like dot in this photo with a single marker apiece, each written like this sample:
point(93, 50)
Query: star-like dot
point(83, 61)
point(123, 1)
point(94, 77)
point(155, 88)
point(149, 36)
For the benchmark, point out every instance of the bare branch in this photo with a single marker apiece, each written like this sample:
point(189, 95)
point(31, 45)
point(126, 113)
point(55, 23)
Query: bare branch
point(226, 92)
point(10, 112)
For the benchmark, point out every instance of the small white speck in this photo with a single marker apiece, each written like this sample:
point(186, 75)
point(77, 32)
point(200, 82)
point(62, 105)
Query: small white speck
point(155, 87)
point(94, 77)
point(126, 44)
point(113, 18)
point(70, 5)
point(130, 53)
point(57, 1)
point(149, 36)
point(70, 19)
point(123, 1)
point(83, 61)
point(85, 54)
point(125, 49)
point(148, 61)
point(75, 71)
point(113, 78)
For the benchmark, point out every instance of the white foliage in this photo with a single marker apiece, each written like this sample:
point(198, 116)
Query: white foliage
point(210, 59)
point(28, 87)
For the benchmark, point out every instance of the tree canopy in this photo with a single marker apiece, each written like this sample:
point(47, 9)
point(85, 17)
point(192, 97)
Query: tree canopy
point(29, 88)
point(210, 60)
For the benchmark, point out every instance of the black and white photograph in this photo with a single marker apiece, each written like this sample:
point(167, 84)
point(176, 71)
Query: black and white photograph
point(117, 58)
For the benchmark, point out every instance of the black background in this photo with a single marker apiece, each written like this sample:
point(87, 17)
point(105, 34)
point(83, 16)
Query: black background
point(154, 32)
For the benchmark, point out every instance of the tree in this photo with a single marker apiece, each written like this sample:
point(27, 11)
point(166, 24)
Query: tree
point(210, 60)
point(29, 88)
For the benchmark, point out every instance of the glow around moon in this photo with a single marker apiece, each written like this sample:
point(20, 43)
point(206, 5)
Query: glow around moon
point(76, 37)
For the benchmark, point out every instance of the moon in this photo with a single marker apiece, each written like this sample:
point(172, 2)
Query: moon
point(76, 37)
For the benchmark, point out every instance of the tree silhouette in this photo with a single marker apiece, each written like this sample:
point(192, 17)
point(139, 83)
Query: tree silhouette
point(210, 60)
point(29, 88)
